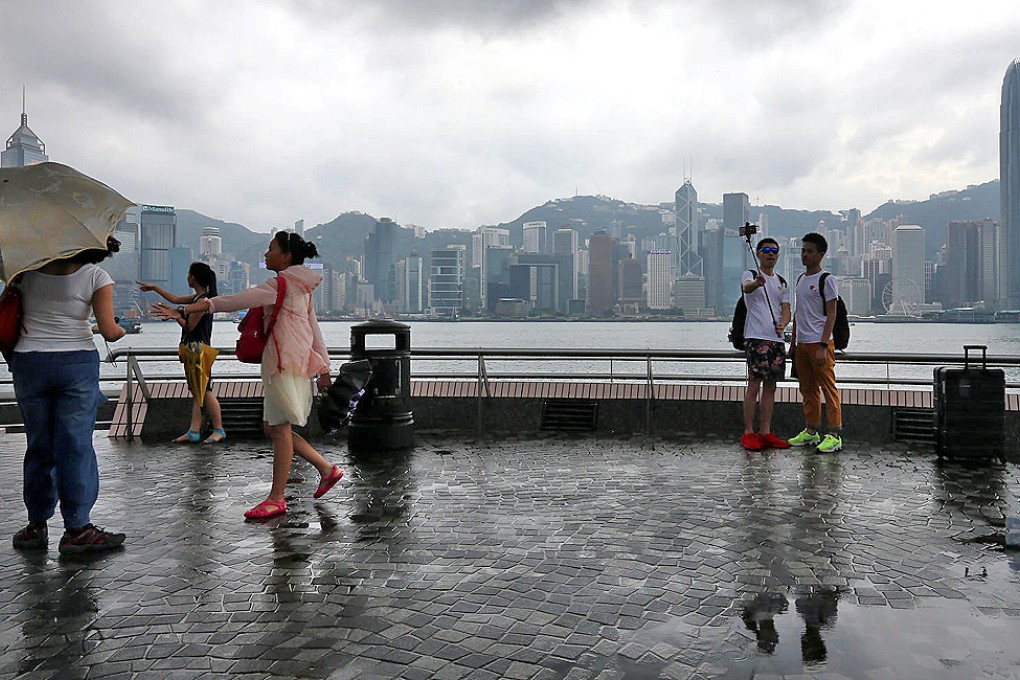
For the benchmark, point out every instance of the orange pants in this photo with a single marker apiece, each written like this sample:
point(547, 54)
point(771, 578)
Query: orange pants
point(815, 380)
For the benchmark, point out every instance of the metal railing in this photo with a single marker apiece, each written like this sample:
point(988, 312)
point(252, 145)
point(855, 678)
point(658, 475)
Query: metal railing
point(487, 365)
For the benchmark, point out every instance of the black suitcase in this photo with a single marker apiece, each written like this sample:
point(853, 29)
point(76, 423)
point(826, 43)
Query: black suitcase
point(970, 408)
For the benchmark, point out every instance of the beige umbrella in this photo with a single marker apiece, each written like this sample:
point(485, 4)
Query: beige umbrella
point(49, 211)
point(198, 359)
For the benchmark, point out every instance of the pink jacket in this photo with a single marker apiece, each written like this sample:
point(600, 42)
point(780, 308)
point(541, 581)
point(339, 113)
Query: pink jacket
point(296, 343)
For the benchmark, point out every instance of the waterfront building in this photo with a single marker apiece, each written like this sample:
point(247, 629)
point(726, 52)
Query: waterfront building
point(534, 278)
point(23, 147)
point(123, 267)
point(238, 274)
point(958, 275)
point(565, 249)
point(908, 267)
point(210, 244)
point(689, 296)
point(631, 280)
point(1009, 188)
point(855, 232)
point(660, 280)
point(736, 258)
point(380, 258)
point(446, 280)
point(497, 276)
point(600, 274)
point(409, 284)
point(178, 262)
point(486, 237)
point(990, 249)
point(157, 234)
point(711, 247)
point(687, 229)
point(856, 294)
point(535, 237)
point(299, 228)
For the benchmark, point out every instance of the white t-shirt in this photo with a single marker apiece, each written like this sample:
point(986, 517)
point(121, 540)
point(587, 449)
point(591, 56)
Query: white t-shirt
point(57, 310)
point(809, 315)
point(759, 323)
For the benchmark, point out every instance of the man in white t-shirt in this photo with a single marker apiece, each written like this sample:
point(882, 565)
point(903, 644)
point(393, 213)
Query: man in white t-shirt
point(814, 354)
point(767, 298)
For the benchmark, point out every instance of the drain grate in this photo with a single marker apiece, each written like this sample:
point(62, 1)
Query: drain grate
point(242, 417)
point(570, 415)
point(915, 425)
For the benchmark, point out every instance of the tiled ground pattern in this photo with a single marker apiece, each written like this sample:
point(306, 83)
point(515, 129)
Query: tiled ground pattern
point(584, 559)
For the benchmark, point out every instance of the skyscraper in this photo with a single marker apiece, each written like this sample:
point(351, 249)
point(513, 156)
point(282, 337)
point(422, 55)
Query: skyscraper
point(535, 237)
point(1009, 188)
point(735, 255)
point(688, 259)
point(660, 279)
point(908, 269)
point(157, 234)
point(446, 280)
point(600, 274)
point(23, 147)
point(380, 258)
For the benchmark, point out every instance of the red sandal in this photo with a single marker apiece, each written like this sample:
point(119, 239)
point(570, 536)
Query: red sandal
point(328, 481)
point(267, 509)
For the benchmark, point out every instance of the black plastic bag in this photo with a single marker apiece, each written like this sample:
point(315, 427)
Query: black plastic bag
point(340, 401)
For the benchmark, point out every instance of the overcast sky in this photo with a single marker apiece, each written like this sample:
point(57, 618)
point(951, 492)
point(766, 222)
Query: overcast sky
point(449, 113)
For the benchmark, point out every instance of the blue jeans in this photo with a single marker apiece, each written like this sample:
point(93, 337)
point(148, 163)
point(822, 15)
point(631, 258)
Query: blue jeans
point(58, 395)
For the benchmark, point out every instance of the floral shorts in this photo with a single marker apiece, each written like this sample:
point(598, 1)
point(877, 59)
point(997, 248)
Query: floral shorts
point(766, 359)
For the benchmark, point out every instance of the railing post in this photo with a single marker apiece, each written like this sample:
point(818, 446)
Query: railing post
point(130, 398)
point(483, 382)
point(649, 397)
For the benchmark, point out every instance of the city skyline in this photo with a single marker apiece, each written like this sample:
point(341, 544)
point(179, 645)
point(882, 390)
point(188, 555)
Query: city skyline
point(460, 114)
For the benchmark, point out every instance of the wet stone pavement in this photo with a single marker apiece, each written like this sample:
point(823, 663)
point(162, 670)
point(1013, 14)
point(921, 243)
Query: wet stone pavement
point(582, 559)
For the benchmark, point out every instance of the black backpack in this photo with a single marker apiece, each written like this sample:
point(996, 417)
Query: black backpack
point(841, 329)
point(736, 334)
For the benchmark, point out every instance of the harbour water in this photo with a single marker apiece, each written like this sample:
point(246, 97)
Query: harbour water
point(925, 338)
point(909, 338)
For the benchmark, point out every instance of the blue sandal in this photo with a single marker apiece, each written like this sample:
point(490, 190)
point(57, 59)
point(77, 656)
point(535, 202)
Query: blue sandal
point(189, 437)
point(222, 434)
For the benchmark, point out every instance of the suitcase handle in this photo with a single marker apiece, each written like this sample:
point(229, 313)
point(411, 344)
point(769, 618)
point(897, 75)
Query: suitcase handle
point(984, 355)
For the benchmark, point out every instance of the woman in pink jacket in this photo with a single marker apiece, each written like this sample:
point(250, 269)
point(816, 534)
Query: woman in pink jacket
point(294, 354)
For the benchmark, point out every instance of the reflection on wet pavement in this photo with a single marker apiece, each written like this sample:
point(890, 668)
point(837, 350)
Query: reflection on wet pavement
point(540, 558)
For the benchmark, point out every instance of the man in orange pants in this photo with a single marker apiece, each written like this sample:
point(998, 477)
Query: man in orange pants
point(814, 354)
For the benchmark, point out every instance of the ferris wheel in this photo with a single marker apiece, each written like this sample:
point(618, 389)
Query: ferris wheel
point(902, 297)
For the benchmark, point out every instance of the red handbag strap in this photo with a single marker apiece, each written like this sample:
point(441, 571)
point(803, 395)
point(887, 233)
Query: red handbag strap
point(281, 290)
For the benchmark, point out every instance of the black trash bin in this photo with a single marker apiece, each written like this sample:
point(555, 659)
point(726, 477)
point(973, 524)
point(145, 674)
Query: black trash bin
point(970, 408)
point(383, 420)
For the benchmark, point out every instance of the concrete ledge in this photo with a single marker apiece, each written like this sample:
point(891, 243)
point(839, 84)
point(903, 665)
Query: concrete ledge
point(515, 407)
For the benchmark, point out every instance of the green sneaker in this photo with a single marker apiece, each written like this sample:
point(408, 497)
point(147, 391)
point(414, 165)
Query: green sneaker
point(831, 444)
point(805, 438)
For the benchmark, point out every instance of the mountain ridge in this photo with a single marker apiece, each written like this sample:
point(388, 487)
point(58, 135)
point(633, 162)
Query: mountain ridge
point(343, 237)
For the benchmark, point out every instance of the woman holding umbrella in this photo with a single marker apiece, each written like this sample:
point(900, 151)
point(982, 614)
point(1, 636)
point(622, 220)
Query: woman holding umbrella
point(196, 341)
point(294, 354)
point(56, 381)
point(55, 226)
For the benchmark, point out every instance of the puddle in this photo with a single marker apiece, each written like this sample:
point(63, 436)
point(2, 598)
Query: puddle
point(948, 640)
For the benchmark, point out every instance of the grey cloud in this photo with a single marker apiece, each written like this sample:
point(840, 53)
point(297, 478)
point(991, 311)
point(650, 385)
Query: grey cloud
point(487, 18)
point(89, 52)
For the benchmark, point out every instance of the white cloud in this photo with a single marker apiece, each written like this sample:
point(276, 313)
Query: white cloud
point(460, 113)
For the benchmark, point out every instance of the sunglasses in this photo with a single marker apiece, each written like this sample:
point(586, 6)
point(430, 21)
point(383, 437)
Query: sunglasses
point(769, 249)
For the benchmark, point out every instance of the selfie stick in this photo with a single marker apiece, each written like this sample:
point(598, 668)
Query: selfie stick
point(747, 238)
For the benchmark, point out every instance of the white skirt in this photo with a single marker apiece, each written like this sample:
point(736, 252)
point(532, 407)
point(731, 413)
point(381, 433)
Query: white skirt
point(287, 398)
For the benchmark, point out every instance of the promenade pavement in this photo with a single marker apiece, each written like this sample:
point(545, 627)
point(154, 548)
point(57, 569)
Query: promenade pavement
point(531, 558)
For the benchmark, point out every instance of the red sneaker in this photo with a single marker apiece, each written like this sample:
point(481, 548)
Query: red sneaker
point(752, 441)
point(771, 441)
